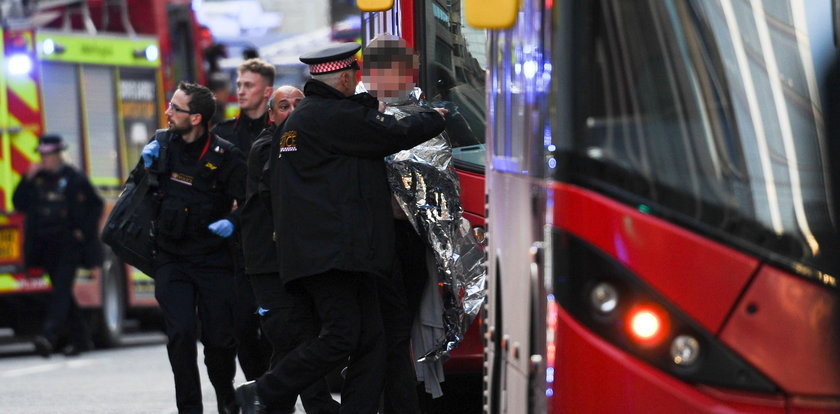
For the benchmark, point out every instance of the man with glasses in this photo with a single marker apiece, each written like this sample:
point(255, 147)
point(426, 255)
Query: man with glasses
point(203, 175)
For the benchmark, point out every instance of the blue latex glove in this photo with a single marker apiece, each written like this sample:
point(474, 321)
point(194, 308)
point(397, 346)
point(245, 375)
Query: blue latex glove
point(150, 152)
point(222, 228)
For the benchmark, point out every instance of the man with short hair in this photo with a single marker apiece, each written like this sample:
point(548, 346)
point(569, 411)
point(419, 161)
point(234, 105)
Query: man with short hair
point(203, 175)
point(332, 218)
point(254, 81)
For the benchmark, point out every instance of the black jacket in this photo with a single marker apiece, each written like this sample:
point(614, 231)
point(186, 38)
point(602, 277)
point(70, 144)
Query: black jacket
point(241, 131)
point(329, 193)
point(56, 206)
point(200, 182)
point(257, 228)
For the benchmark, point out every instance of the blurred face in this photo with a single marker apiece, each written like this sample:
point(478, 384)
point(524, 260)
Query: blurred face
point(392, 69)
point(395, 81)
point(285, 100)
point(177, 114)
point(52, 161)
point(251, 91)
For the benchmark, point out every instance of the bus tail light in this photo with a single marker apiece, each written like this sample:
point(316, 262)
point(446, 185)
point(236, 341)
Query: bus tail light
point(647, 324)
point(612, 302)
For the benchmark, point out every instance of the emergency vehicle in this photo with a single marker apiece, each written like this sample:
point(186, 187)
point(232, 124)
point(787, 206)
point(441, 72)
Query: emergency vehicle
point(662, 206)
point(97, 73)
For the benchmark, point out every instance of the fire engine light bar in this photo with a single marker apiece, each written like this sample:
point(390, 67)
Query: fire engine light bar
point(152, 53)
point(48, 46)
point(19, 64)
point(685, 350)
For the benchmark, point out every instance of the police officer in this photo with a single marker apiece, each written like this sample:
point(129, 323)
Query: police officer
point(332, 218)
point(287, 319)
point(62, 217)
point(204, 176)
point(255, 78)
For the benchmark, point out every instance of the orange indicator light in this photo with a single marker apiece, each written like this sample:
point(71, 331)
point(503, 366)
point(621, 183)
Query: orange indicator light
point(647, 325)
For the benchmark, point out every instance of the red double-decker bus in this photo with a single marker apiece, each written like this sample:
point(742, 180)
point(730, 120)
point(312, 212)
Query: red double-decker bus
point(662, 206)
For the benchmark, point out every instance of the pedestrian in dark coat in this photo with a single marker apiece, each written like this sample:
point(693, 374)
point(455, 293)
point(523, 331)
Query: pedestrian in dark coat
point(334, 226)
point(62, 218)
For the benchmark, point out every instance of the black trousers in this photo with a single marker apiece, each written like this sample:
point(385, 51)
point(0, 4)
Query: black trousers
point(289, 321)
point(184, 285)
point(254, 349)
point(400, 299)
point(63, 318)
point(348, 310)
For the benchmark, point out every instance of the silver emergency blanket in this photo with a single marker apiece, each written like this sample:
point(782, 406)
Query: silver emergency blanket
point(427, 189)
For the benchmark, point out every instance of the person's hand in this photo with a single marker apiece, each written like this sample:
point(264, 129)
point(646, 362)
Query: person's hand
point(33, 170)
point(221, 228)
point(442, 112)
point(150, 152)
point(382, 107)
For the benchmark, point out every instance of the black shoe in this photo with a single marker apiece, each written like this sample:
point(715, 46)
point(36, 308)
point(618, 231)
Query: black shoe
point(248, 400)
point(227, 405)
point(43, 346)
point(73, 350)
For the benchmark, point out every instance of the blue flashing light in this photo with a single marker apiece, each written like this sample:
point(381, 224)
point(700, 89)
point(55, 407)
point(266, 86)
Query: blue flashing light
point(19, 64)
point(552, 162)
point(152, 53)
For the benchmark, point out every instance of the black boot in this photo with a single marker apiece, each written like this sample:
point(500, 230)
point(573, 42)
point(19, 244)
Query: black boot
point(43, 346)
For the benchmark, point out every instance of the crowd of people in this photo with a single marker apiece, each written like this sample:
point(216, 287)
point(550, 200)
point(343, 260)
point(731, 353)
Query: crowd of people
point(279, 240)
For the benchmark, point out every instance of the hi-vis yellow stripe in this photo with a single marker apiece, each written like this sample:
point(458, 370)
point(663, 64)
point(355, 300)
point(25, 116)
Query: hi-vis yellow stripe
point(25, 141)
point(27, 91)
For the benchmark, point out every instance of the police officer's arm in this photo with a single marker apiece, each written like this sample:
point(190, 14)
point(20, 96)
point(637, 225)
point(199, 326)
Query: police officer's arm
point(25, 195)
point(377, 135)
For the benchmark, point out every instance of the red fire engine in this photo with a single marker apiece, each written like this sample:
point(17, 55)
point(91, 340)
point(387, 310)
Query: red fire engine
point(96, 72)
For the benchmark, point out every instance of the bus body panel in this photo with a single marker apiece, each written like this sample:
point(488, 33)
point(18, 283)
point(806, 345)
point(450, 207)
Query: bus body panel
point(674, 261)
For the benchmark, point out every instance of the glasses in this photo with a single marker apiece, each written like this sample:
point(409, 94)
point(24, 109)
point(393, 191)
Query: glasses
point(175, 108)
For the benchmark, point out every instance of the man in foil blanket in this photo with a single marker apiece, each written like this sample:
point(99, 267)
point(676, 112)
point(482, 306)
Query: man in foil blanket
point(426, 195)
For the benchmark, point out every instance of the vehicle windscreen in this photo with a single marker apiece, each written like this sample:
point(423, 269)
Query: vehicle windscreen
point(708, 113)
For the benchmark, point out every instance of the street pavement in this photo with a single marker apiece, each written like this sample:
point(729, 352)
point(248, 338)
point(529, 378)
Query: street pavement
point(132, 379)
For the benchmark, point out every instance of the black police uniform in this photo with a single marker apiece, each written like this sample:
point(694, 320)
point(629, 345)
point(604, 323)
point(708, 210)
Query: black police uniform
point(287, 318)
point(59, 207)
point(254, 350)
point(334, 225)
point(193, 266)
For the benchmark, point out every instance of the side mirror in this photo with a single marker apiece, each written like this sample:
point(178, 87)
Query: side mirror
point(374, 5)
point(491, 14)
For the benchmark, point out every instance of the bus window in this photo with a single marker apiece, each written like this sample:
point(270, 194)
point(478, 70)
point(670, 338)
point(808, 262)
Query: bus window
point(101, 125)
point(721, 134)
point(62, 113)
point(453, 73)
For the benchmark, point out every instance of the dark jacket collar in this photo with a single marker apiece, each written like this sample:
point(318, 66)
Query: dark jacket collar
point(317, 88)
